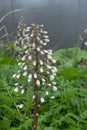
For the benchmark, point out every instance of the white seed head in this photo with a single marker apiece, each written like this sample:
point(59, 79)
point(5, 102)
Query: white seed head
point(25, 74)
point(49, 85)
point(37, 114)
point(32, 35)
point(25, 67)
point(52, 97)
point(53, 61)
point(43, 83)
point(20, 38)
point(33, 45)
point(18, 34)
point(54, 88)
point(47, 93)
point(28, 39)
point(18, 76)
point(21, 86)
point(24, 58)
point(38, 49)
point(47, 40)
point(50, 51)
point(54, 68)
point(42, 100)
point(45, 51)
point(35, 75)
point(38, 38)
point(16, 89)
point(30, 76)
point(49, 57)
point(14, 75)
point(41, 70)
point(22, 42)
point(16, 84)
point(86, 43)
point(54, 74)
point(33, 96)
point(20, 106)
point(29, 57)
point(25, 47)
point(54, 83)
point(85, 30)
point(48, 66)
point(34, 63)
point(22, 64)
point(22, 91)
point(29, 80)
point(28, 28)
point(38, 82)
point(51, 77)
point(41, 62)
point(42, 52)
point(45, 32)
point(45, 36)
point(19, 64)
point(80, 37)
point(47, 72)
point(44, 43)
point(27, 51)
point(53, 71)
point(41, 42)
point(34, 126)
point(43, 80)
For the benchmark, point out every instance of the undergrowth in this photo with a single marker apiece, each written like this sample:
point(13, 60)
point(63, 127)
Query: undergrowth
point(68, 111)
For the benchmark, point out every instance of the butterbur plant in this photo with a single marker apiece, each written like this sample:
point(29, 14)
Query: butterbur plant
point(37, 66)
point(84, 39)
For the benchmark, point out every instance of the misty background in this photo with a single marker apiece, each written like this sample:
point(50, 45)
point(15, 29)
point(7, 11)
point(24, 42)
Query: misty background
point(65, 20)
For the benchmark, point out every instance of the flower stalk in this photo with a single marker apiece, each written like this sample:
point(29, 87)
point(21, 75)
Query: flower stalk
point(35, 125)
point(37, 65)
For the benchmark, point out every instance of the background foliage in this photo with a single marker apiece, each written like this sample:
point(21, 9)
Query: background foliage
point(68, 111)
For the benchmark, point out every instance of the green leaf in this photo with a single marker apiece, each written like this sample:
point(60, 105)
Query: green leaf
point(5, 124)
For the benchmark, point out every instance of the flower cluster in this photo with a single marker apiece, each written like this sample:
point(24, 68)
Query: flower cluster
point(84, 39)
point(21, 33)
point(35, 62)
